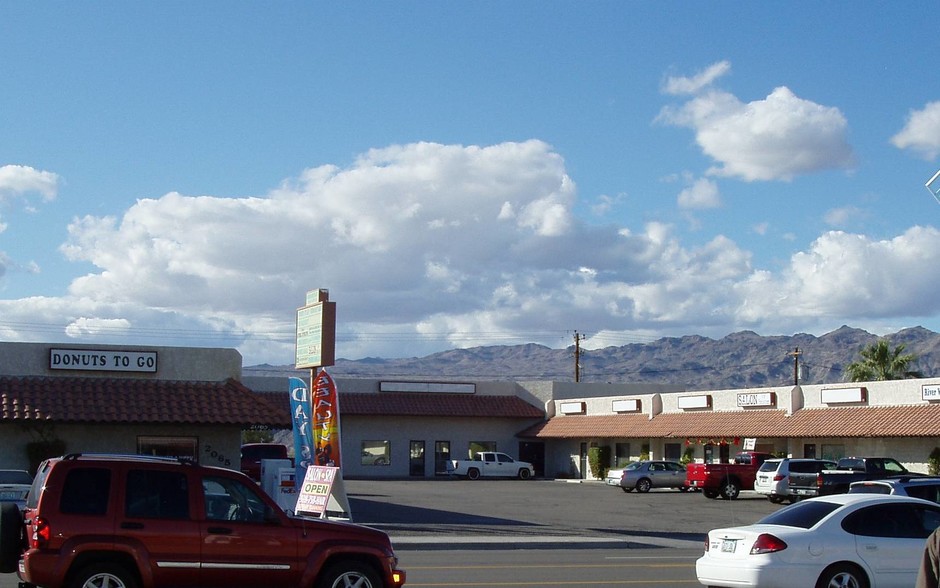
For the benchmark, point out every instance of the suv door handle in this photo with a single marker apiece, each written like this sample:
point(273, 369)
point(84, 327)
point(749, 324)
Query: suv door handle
point(219, 531)
point(127, 525)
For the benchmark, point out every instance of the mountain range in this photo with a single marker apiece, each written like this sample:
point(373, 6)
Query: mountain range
point(740, 360)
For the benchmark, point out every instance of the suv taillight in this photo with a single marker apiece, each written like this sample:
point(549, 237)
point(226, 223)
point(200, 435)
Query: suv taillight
point(41, 533)
point(819, 480)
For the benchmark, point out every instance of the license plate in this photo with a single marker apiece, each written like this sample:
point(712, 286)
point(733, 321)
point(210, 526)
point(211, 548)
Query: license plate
point(729, 545)
point(695, 482)
point(11, 495)
point(804, 492)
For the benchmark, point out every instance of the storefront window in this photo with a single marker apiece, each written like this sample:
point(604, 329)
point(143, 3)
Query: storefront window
point(376, 453)
point(478, 446)
point(833, 451)
point(167, 446)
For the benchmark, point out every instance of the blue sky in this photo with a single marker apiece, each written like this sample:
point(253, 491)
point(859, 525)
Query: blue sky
point(461, 174)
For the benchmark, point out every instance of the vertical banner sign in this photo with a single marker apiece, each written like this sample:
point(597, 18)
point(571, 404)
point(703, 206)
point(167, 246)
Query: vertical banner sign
point(325, 421)
point(301, 408)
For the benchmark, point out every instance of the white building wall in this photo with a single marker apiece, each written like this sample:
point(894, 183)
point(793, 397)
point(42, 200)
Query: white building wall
point(400, 431)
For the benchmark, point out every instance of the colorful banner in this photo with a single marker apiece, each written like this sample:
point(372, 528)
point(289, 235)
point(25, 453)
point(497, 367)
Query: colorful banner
point(325, 421)
point(301, 409)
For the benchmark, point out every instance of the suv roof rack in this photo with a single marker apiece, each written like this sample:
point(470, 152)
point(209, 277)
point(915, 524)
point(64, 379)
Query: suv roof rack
point(132, 457)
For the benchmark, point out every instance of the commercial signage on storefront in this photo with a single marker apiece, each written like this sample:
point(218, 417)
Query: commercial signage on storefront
point(103, 360)
point(930, 392)
point(749, 399)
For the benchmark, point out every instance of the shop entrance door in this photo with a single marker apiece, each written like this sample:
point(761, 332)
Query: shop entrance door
point(416, 465)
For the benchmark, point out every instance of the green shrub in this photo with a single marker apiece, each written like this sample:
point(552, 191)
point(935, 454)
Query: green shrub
point(933, 462)
point(599, 460)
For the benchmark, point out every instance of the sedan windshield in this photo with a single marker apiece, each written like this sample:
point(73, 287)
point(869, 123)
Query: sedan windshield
point(633, 466)
point(804, 515)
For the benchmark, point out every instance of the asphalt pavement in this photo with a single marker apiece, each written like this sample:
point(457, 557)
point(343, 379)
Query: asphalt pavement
point(515, 514)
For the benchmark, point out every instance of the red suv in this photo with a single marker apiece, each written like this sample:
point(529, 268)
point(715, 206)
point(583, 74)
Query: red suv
point(95, 521)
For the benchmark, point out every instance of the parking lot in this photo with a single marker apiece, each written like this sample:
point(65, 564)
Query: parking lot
point(547, 513)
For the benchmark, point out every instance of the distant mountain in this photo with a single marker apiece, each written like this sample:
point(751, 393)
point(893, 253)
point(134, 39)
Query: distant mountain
point(739, 360)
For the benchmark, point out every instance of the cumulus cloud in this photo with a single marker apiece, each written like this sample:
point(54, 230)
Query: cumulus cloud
point(21, 179)
point(458, 245)
point(701, 194)
point(776, 138)
point(921, 132)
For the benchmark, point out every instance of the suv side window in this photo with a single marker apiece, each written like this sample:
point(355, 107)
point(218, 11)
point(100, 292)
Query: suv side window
point(86, 491)
point(155, 494)
point(232, 500)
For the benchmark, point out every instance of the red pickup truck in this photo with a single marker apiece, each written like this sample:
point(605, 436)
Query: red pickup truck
point(726, 479)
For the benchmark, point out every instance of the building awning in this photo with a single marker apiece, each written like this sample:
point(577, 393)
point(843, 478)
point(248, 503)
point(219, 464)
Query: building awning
point(135, 400)
point(858, 421)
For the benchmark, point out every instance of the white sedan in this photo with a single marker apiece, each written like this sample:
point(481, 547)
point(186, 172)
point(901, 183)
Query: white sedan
point(839, 541)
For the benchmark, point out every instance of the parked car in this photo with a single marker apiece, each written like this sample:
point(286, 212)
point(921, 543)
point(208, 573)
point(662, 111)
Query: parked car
point(148, 522)
point(644, 475)
point(253, 453)
point(726, 479)
point(773, 477)
point(846, 540)
point(490, 464)
point(14, 486)
point(926, 487)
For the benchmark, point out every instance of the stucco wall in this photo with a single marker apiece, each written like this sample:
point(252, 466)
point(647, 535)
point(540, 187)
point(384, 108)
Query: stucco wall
point(400, 431)
point(218, 446)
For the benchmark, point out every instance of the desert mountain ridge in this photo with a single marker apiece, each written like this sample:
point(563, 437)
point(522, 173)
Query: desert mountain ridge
point(739, 360)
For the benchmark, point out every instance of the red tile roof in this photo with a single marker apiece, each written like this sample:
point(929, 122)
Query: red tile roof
point(131, 400)
point(921, 420)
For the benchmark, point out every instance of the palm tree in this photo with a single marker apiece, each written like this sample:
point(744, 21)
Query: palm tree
point(881, 363)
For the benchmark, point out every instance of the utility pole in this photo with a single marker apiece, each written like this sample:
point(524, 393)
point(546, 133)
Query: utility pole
point(796, 353)
point(577, 356)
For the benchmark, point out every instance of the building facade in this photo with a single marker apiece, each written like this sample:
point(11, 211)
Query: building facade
point(194, 402)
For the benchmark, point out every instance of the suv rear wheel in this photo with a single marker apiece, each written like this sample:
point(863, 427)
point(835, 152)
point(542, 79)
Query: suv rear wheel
point(347, 574)
point(11, 529)
point(103, 575)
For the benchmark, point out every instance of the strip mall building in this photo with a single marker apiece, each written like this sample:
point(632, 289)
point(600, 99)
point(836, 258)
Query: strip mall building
point(195, 402)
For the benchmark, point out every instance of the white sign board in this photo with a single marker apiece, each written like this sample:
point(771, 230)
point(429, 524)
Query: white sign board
point(315, 491)
point(930, 392)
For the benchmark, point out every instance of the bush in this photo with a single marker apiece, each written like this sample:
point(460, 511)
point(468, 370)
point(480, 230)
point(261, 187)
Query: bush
point(933, 462)
point(599, 460)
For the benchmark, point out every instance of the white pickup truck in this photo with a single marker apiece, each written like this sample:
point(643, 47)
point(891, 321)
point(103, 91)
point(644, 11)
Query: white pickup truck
point(491, 464)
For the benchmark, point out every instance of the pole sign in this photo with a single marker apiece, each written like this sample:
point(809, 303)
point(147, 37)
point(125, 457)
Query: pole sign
point(316, 332)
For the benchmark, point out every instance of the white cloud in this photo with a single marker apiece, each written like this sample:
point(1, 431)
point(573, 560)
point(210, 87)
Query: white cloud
point(692, 85)
point(422, 244)
point(776, 138)
point(842, 216)
point(921, 133)
point(22, 179)
point(701, 194)
point(845, 275)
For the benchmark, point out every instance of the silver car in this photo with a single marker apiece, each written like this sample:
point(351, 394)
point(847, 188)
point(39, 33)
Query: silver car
point(644, 475)
point(14, 486)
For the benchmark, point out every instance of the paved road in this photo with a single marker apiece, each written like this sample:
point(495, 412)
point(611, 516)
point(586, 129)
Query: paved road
point(513, 513)
point(447, 528)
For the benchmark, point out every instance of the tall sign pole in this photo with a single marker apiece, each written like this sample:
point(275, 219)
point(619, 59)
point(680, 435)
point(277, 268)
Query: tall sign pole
point(316, 349)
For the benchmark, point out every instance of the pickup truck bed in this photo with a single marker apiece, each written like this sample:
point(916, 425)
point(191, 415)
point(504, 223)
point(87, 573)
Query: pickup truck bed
point(848, 470)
